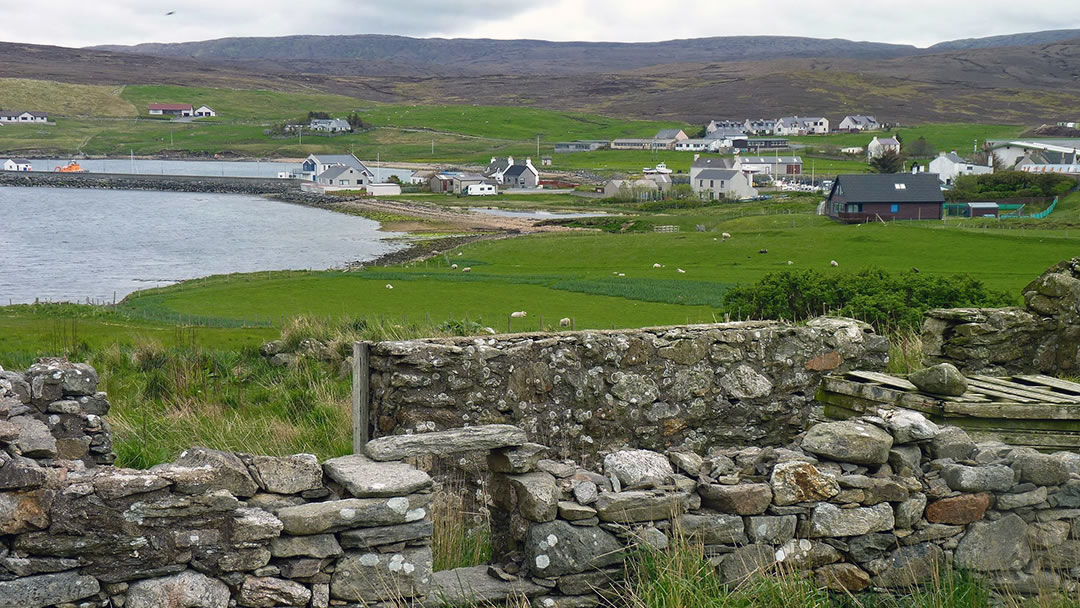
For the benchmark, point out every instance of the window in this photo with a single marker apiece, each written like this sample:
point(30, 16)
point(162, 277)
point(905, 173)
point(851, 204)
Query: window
point(712, 183)
point(900, 186)
point(854, 208)
point(894, 208)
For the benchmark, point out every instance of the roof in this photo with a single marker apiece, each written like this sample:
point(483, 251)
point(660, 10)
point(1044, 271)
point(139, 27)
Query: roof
point(1049, 145)
point(890, 188)
point(340, 159)
point(631, 140)
point(954, 157)
point(771, 160)
point(860, 119)
point(515, 170)
point(718, 174)
point(886, 141)
point(335, 171)
point(19, 161)
point(21, 112)
point(712, 162)
point(170, 106)
point(646, 183)
point(983, 205)
point(667, 134)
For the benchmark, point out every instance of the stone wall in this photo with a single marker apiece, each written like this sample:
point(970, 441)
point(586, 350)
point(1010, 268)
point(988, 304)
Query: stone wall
point(1043, 336)
point(586, 392)
point(174, 183)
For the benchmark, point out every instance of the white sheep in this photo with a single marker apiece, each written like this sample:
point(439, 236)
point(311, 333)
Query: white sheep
point(459, 253)
point(520, 314)
point(467, 269)
point(564, 322)
point(389, 286)
point(680, 271)
point(657, 265)
point(622, 274)
point(789, 262)
point(725, 236)
point(833, 263)
point(453, 267)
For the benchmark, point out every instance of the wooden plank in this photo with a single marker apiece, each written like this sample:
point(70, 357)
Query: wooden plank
point(848, 402)
point(881, 395)
point(1037, 440)
point(984, 388)
point(361, 397)
point(887, 380)
point(1015, 411)
point(1026, 391)
point(1021, 424)
point(1064, 386)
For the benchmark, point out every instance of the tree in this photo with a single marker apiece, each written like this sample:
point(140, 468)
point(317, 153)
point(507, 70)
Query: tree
point(318, 115)
point(354, 121)
point(919, 148)
point(981, 158)
point(887, 162)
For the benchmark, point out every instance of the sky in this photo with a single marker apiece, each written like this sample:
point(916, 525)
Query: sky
point(76, 23)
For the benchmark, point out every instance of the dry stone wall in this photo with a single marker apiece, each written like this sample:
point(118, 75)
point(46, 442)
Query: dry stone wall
point(586, 392)
point(1043, 336)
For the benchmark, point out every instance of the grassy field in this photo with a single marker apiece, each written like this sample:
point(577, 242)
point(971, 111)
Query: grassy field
point(64, 99)
point(943, 137)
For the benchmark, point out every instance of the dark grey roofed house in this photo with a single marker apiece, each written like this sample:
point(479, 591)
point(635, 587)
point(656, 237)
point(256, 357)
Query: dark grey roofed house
point(709, 162)
point(885, 196)
point(498, 165)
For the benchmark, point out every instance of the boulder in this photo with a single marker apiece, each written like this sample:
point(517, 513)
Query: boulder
point(687, 462)
point(634, 506)
point(363, 477)
point(189, 589)
point(908, 566)
point(631, 467)
point(842, 578)
point(794, 482)
point(365, 538)
point(474, 586)
point(846, 441)
point(317, 545)
point(1048, 534)
point(907, 426)
point(909, 512)
point(557, 548)
point(1008, 502)
point(200, 470)
point(251, 524)
point(952, 442)
point(958, 510)
point(741, 499)
point(443, 443)
point(747, 562)
point(1063, 557)
point(334, 515)
point(516, 460)
point(267, 592)
point(1041, 469)
point(111, 483)
point(34, 439)
point(999, 545)
point(828, 520)
point(371, 577)
point(17, 472)
point(586, 492)
point(713, 529)
point(940, 379)
point(987, 478)
point(288, 475)
point(47, 590)
point(867, 548)
point(745, 383)
point(772, 529)
point(537, 495)
point(25, 511)
point(572, 511)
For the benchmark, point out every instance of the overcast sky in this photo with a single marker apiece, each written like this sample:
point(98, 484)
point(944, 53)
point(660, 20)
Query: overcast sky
point(918, 22)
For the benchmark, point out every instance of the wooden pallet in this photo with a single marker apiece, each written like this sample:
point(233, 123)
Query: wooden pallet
point(1032, 410)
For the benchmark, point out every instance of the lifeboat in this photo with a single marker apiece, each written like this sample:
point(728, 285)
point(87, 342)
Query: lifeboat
point(72, 167)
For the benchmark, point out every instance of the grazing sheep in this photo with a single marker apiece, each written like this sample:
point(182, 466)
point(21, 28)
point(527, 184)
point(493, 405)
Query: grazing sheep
point(467, 269)
point(459, 253)
point(763, 251)
point(657, 265)
point(789, 262)
point(453, 267)
point(489, 330)
point(622, 274)
point(520, 314)
point(833, 263)
point(725, 236)
point(564, 322)
point(680, 271)
point(389, 286)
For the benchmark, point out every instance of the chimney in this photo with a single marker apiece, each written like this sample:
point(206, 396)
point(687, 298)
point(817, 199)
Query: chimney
point(942, 154)
point(510, 161)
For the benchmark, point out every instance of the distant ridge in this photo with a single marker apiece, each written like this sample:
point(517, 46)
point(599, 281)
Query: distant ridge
point(1025, 39)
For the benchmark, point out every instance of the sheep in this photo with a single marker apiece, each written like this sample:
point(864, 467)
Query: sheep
point(763, 251)
point(789, 262)
point(459, 253)
point(520, 314)
point(680, 271)
point(564, 322)
point(467, 269)
point(725, 235)
point(622, 274)
point(389, 286)
point(453, 267)
point(834, 263)
point(657, 265)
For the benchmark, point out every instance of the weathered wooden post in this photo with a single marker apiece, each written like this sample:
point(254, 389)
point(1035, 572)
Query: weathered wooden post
point(361, 395)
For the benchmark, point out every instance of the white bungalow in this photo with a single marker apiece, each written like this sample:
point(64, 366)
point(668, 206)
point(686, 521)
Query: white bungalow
point(23, 116)
point(205, 110)
point(17, 164)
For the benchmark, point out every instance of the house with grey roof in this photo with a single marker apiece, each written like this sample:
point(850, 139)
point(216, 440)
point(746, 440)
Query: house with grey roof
point(857, 122)
point(23, 116)
point(806, 125)
point(317, 164)
point(717, 184)
point(702, 163)
point(856, 199)
point(676, 134)
point(723, 124)
point(343, 177)
point(513, 174)
point(760, 126)
point(1056, 151)
point(881, 145)
point(16, 164)
point(774, 166)
point(330, 125)
point(949, 166)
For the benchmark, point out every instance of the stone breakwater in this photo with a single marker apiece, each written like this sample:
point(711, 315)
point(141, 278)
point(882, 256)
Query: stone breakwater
point(882, 501)
point(1043, 336)
point(587, 392)
point(171, 183)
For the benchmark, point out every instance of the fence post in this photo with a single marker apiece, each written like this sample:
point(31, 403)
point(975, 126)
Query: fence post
point(361, 396)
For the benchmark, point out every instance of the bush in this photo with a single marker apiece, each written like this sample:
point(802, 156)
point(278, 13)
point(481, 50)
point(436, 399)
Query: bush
point(886, 300)
point(1009, 184)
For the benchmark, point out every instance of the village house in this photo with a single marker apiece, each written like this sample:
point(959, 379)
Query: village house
point(17, 164)
point(317, 164)
point(637, 144)
point(1037, 162)
point(879, 146)
point(695, 145)
point(343, 177)
point(756, 144)
point(950, 166)
point(171, 109)
point(794, 125)
point(716, 184)
point(773, 166)
point(579, 146)
point(204, 110)
point(724, 124)
point(330, 125)
point(858, 123)
point(1054, 151)
point(441, 183)
point(23, 116)
point(856, 199)
point(702, 163)
point(514, 175)
point(761, 126)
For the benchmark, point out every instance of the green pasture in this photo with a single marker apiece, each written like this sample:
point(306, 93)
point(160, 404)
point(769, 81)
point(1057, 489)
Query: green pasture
point(241, 104)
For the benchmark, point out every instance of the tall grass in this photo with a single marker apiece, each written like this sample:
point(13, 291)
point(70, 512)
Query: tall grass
point(461, 536)
point(905, 352)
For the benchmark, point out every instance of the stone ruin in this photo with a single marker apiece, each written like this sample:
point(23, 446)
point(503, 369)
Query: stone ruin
point(1043, 336)
point(882, 501)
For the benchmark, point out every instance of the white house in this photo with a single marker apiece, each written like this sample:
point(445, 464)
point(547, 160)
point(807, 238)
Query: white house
point(23, 116)
point(770, 165)
point(17, 164)
point(1056, 151)
point(879, 146)
point(330, 125)
point(723, 124)
point(171, 109)
point(515, 175)
point(859, 123)
point(317, 164)
point(343, 177)
point(794, 125)
point(761, 126)
point(950, 166)
point(715, 184)
point(205, 110)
